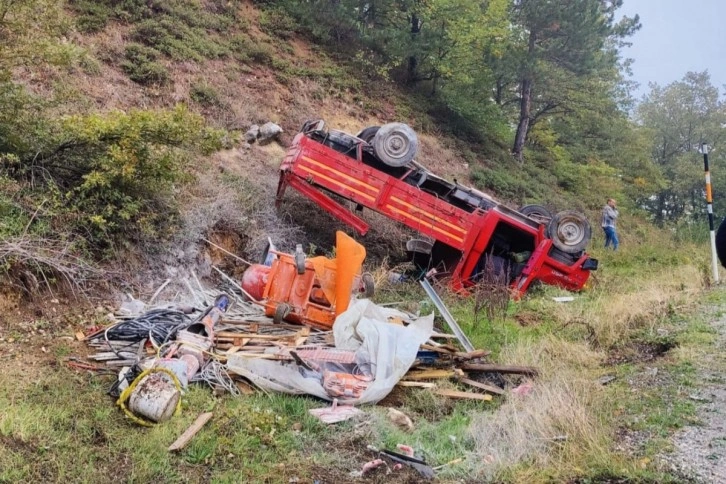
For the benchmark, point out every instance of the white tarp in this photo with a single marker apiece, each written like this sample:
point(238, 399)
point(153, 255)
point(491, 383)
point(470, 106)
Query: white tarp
point(389, 348)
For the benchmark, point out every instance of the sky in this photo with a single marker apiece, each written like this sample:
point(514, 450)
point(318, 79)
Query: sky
point(677, 36)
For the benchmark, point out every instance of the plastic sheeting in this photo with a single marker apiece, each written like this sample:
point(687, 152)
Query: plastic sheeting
point(383, 349)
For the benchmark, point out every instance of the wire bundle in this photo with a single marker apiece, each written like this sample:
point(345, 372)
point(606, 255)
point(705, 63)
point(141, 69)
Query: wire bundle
point(158, 325)
point(215, 374)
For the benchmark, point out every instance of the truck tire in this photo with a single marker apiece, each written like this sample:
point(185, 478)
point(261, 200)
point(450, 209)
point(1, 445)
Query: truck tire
point(537, 213)
point(395, 144)
point(368, 134)
point(570, 231)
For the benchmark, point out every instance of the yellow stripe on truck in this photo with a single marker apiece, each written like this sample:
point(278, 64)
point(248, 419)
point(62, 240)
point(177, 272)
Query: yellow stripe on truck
point(340, 174)
point(336, 182)
point(424, 223)
point(432, 216)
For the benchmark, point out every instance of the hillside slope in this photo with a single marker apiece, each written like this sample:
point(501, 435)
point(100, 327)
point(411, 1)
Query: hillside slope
point(230, 63)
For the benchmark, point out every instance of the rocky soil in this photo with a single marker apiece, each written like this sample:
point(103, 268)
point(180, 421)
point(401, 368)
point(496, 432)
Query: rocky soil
point(700, 451)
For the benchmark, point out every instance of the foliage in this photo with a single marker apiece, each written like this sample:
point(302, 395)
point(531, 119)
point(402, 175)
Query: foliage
point(142, 66)
point(181, 29)
point(278, 23)
point(556, 48)
point(678, 118)
point(112, 177)
point(205, 94)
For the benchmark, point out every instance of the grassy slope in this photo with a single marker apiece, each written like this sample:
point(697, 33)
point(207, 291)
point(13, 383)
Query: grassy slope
point(568, 428)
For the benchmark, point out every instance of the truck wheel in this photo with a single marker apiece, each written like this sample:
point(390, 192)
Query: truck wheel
point(281, 312)
point(369, 285)
point(395, 144)
point(368, 134)
point(537, 213)
point(570, 231)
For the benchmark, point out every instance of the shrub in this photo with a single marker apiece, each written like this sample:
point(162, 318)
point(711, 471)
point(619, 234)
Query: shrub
point(204, 94)
point(141, 65)
point(113, 177)
point(278, 23)
point(92, 16)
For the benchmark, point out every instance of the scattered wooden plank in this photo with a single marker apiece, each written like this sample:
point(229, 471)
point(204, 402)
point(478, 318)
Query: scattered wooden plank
point(463, 395)
point(492, 368)
point(437, 349)
point(416, 384)
point(270, 337)
point(429, 375)
point(472, 355)
point(443, 336)
point(233, 349)
point(121, 363)
point(189, 433)
point(80, 336)
point(112, 356)
point(483, 386)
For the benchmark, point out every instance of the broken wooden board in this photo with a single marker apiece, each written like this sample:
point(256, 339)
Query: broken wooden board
point(472, 355)
point(491, 368)
point(429, 375)
point(443, 335)
point(483, 386)
point(463, 395)
point(416, 384)
point(189, 433)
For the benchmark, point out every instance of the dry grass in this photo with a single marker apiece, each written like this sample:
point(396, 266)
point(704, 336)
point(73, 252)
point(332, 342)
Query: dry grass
point(613, 312)
point(32, 263)
point(556, 424)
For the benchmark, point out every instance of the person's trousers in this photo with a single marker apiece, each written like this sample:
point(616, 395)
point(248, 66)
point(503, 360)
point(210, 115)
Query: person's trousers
point(611, 237)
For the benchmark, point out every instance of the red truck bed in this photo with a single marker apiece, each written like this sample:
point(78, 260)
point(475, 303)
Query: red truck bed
point(466, 223)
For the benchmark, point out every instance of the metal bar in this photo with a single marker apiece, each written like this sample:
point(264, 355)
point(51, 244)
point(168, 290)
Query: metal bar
point(447, 315)
point(330, 205)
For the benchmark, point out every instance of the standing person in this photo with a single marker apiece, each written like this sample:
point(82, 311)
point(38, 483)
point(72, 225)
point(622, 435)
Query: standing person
point(609, 214)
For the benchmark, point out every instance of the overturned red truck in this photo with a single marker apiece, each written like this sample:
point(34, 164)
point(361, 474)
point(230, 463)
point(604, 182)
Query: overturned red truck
point(471, 232)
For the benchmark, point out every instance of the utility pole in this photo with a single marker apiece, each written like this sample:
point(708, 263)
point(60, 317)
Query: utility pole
point(709, 205)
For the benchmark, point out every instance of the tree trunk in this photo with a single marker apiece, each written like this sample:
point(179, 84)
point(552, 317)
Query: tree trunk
point(411, 70)
point(498, 93)
point(660, 214)
point(525, 108)
point(525, 103)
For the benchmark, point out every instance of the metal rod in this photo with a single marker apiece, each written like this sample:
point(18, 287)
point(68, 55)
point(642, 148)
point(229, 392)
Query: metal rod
point(447, 316)
point(709, 207)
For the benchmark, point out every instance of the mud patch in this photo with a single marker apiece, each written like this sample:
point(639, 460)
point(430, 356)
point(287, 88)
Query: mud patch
point(639, 352)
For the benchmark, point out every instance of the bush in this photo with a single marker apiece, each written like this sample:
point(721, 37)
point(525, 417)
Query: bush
point(141, 65)
point(92, 16)
point(204, 94)
point(278, 23)
point(113, 177)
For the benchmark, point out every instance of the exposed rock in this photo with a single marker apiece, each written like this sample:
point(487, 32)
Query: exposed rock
point(252, 134)
point(268, 132)
point(401, 419)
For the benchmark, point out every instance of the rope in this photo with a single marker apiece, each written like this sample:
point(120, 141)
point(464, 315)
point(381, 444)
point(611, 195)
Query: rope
point(126, 394)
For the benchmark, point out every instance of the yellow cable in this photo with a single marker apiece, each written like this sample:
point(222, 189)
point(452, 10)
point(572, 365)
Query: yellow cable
point(126, 394)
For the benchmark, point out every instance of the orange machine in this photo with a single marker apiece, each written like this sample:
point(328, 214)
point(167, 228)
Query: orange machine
point(310, 291)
